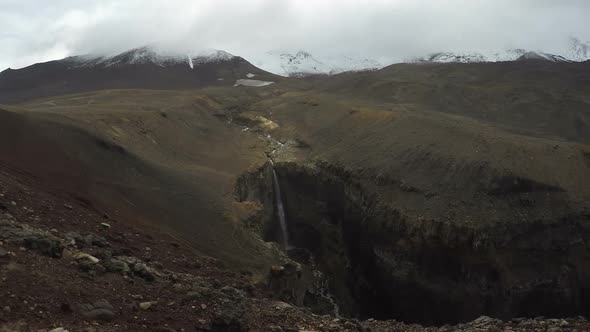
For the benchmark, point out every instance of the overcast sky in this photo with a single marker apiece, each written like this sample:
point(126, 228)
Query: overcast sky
point(39, 30)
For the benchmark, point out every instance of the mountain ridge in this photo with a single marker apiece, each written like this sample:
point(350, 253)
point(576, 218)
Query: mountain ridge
point(156, 67)
point(140, 68)
point(298, 63)
point(151, 55)
point(508, 55)
point(301, 62)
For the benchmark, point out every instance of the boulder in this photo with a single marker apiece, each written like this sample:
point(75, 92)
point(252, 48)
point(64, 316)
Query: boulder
point(59, 329)
point(485, 321)
point(144, 271)
point(88, 239)
point(100, 310)
point(118, 266)
point(95, 240)
point(81, 256)
point(229, 317)
point(46, 246)
point(286, 281)
point(147, 305)
point(233, 293)
point(85, 261)
point(31, 238)
point(279, 305)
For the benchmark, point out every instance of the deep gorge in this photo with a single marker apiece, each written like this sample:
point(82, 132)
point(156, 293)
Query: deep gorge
point(383, 264)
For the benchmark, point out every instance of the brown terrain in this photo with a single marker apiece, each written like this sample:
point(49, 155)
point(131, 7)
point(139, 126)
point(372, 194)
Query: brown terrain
point(421, 197)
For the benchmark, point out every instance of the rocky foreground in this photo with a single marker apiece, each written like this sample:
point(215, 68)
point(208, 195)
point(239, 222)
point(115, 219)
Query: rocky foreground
point(66, 267)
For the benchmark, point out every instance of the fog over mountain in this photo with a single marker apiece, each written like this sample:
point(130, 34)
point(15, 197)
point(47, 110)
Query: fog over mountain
point(386, 31)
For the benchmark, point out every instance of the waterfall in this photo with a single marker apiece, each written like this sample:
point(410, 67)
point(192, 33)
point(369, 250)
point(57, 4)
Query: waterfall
point(322, 286)
point(280, 207)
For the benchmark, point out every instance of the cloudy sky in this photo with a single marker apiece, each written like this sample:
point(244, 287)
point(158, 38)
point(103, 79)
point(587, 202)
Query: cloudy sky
point(40, 30)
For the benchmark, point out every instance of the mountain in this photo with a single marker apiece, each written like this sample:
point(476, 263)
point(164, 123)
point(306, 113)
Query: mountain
point(448, 57)
point(146, 67)
point(160, 68)
point(150, 55)
point(579, 51)
point(303, 63)
point(541, 56)
point(508, 55)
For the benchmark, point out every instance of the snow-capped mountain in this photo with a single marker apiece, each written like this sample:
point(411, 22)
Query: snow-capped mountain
point(151, 55)
point(579, 51)
point(449, 57)
point(302, 63)
point(508, 55)
point(529, 55)
point(139, 68)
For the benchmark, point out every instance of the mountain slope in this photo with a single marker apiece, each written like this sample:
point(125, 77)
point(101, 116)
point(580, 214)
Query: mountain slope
point(138, 68)
point(161, 159)
point(541, 97)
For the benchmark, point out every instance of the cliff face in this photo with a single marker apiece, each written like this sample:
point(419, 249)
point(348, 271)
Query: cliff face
point(381, 262)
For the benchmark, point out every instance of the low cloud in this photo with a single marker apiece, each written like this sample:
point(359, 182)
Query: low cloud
point(33, 31)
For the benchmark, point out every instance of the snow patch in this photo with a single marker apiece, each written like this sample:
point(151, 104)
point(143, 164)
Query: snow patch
point(255, 83)
point(190, 62)
point(250, 75)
